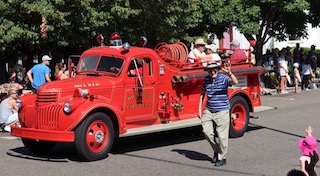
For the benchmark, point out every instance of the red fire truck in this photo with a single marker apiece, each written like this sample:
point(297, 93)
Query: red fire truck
point(122, 91)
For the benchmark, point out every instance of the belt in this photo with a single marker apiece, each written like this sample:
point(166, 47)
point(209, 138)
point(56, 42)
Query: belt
point(213, 111)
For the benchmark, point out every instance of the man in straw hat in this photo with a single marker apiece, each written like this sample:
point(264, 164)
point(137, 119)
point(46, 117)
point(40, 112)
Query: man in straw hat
point(198, 52)
point(215, 119)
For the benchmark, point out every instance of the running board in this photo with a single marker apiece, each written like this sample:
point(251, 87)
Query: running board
point(163, 127)
point(177, 124)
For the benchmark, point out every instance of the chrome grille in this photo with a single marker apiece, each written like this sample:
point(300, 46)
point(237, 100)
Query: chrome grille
point(48, 117)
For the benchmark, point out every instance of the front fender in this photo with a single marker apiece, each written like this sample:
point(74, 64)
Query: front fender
point(82, 111)
point(27, 99)
point(232, 92)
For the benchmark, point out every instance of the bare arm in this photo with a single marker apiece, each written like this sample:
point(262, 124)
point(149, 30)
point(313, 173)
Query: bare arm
point(30, 76)
point(234, 79)
point(312, 73)
point(48, 78)
point(13, 104)
point(206, 58)
point(201, 98)
point(64, 76)
point(227, 69)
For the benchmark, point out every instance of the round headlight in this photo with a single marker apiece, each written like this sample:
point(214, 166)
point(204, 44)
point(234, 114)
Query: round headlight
point(19, 103)
point(67, 107)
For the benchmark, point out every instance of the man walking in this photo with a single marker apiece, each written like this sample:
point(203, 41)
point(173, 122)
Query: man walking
point(39, 74)
point(215, 119)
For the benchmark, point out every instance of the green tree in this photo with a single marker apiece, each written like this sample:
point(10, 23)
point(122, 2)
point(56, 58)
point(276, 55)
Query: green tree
point(161, 20)
point(262, 19)
point(76, 24)
point(69, 23)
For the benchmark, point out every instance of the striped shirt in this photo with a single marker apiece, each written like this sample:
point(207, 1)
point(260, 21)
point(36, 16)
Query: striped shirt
point(217, 92)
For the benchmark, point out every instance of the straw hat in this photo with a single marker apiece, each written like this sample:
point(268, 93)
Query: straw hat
point(200, 41)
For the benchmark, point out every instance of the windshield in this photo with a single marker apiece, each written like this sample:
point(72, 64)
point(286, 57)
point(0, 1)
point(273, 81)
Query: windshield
point(106, 64)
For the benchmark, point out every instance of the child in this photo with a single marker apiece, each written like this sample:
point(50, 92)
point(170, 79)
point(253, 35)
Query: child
point(308, 146)
point(297, 77)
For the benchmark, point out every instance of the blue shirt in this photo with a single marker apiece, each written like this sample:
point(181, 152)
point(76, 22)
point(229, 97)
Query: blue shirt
point(217, 92)
point(39, 73)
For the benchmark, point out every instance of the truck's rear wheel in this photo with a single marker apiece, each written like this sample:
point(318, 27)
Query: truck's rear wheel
point(37, 146)
point(239, 116)
point(94, 137)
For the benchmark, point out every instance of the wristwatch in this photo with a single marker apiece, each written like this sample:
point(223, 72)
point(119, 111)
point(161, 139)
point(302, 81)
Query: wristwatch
point(230, 73)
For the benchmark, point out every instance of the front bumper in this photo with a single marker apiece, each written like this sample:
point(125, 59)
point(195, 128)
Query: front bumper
point(46, 135)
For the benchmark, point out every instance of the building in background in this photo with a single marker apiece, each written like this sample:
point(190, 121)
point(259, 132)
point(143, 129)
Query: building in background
point(312, 39)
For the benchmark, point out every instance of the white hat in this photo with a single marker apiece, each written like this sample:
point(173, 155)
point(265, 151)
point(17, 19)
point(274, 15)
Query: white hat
point(46, 58)
point(212, 47)
point(235, 43)
point(296, 65)
point(200, 41)
point(213, 65)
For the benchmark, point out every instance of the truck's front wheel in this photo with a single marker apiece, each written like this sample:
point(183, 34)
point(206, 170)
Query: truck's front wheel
point(239, 116)
point(94, 137)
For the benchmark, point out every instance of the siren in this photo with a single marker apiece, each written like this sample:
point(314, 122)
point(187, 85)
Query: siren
point(126, 46)
point(115, 39)
point(100, 39)
point(143, 41)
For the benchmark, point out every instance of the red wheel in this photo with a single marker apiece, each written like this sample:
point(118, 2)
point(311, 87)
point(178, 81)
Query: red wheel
point(94, 137)
point(239, 116)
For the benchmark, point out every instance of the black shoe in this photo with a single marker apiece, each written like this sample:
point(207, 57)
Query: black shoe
point(2, 125)
point(215, 157)
point(221, 162)
point(269, 93)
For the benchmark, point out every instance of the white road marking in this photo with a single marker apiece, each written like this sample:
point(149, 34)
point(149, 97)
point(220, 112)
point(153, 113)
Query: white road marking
point(10, 138)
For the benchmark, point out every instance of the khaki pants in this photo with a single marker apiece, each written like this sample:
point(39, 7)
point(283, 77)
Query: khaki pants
point(216, 130)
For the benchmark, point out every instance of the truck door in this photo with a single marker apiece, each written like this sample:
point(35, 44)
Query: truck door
point(139, 91)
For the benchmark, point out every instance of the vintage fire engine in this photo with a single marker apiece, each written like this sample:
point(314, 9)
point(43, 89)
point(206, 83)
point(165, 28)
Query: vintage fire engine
point(121, 91)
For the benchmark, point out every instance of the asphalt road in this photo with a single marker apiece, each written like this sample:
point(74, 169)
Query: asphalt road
point(268, 148)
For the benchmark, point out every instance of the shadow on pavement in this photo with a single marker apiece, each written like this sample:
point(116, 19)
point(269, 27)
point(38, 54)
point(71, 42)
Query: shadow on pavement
point(193, 155)
point(62, 152)
point(147, 141)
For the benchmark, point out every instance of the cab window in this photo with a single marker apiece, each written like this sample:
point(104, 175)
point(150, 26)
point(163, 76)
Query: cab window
point(110, 64)
point(88, 63)
point(138, 67)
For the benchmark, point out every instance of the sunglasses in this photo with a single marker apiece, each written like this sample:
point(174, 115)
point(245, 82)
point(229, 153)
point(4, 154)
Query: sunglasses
point(213, 70)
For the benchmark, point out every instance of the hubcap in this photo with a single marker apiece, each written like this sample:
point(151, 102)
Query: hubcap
point(238, 117)
point(97, 136)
